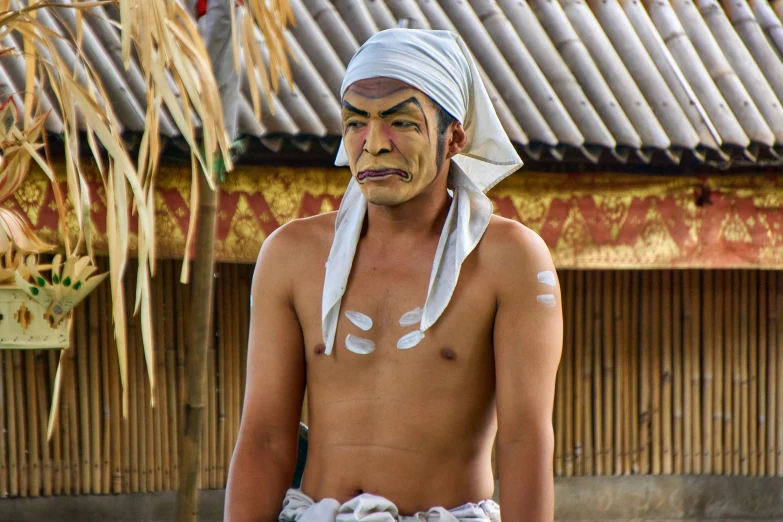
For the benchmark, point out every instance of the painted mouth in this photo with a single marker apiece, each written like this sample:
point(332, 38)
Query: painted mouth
point(381, 173)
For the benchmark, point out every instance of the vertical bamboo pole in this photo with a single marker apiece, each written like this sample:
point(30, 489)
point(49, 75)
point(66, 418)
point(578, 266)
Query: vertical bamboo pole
point(64, 427)
point(142, 405)
point(645, 388)
point(228, 344)
point(172, 409)
point(95, 389)
point(666, 371)
point(687, 370)
point(753, 379)
point(244, 317)
point(190, 459)
point(619, 369)
point(222, 340)
point(588, 376)
point(598, 440)
point(779, 348)
point(743, 347)
point(32, 425)
point(115, 412)
point(105, 404)
point(677, 381)
point(656, 374)
point(42, 401)
point(728, 374)
point(149, 423)
point(717, 373)
point(212, 410)
point(635, 350)
point(125, 420)
point(3, 433)
point(21, 425)
point(708, 290)
point(72, 415)
point(736, 382)
point(607, 291)
point(182, 341)
point(772, 380)
point(83, 394)
point(53, 358)
point(158, 419)
point(623, 306)
point(236, 365)
point(696, 369)
point(568, 372)
point(133, 382)
point(10, 402)
point(579, 374)
point(161, 401)
point(762, 354)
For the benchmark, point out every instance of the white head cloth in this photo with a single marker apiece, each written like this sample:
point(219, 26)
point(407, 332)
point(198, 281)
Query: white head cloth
point(440, 65)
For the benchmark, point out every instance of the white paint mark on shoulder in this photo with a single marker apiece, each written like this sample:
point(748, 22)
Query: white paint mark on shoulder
point(412, 317)
point(547, 300)
point(410, 340)
point(359, 319)
point(251, 301)
point(359, 345)
point(547, 277)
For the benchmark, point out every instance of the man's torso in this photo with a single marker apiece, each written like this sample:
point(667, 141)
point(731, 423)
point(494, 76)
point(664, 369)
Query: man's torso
point(413, 425)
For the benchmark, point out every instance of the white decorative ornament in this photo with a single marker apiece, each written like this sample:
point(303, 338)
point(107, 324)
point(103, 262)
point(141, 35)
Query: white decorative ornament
point(410, 340)
point(359, 345)
point(412, 317)
point(361, 321)
point(547, 300)
point(547, 277)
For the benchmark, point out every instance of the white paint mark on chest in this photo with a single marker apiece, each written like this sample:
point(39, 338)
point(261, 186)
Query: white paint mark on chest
point(359, 345)
point(410, 340)
point(362, 321)
point(547, 300)
point(547, 277)
point(412, 317)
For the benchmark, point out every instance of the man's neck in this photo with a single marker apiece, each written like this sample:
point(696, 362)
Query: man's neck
point(416, 220)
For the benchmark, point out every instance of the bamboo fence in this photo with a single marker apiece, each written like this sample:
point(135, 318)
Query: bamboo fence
point(692, 364)
point(663, 372)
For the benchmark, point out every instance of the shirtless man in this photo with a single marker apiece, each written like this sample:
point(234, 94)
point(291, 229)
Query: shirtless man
point(402, 420)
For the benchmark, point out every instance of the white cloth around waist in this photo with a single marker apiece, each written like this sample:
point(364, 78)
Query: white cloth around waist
point(298, 507)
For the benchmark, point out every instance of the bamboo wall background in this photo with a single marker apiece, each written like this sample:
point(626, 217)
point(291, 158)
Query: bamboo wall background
point(700, 391)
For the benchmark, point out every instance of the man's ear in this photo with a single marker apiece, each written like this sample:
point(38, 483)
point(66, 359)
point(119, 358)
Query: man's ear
point(458, 139)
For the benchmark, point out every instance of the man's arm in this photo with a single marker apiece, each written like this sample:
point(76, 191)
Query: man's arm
point(262, 467)
point(528, 338)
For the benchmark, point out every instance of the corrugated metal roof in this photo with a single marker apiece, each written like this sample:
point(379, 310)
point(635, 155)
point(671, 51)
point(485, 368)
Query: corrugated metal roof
point(637, 79)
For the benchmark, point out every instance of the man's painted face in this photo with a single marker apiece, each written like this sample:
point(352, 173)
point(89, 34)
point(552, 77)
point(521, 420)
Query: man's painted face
point(390, 133)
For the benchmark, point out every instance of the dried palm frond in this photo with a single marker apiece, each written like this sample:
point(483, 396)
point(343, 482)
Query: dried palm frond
point(178, 76)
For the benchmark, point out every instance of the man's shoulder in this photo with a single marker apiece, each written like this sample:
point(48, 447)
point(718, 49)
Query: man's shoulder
point(300, 238)
point(511, 248)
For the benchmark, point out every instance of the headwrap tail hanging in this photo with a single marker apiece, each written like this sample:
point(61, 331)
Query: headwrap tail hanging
point(444, 71)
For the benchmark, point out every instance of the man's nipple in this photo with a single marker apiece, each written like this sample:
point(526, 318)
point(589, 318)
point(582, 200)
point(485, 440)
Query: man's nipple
point(448, 354)
point(319, 349)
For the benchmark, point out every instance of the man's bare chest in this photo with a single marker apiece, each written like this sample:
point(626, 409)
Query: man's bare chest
point(381, 312)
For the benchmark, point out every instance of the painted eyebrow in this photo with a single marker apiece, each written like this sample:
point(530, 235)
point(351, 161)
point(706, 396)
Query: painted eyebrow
point(353, 109)
point(402, 106)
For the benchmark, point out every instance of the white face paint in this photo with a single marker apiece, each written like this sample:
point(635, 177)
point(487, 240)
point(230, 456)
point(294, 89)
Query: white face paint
point(410, 340)
point(547, 277)
point(359, 345)
point(412, 317)
point(251, 301)
point(362, 321)
point(547, 300)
